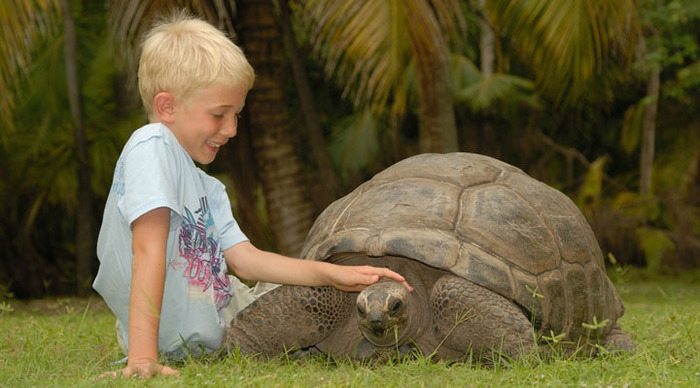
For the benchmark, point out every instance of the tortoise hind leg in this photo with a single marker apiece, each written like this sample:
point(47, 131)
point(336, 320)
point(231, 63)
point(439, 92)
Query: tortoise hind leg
point(468, 318)
point(288, 318)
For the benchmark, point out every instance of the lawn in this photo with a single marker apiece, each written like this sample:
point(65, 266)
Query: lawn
point(68, 342)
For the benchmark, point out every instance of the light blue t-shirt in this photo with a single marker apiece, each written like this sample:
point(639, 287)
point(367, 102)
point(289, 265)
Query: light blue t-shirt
point(155, 171)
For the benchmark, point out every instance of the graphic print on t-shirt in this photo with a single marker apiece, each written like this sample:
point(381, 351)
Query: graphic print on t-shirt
point(205, 263)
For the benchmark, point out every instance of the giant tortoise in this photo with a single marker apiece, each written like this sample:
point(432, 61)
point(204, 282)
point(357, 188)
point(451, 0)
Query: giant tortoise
point(501, 263)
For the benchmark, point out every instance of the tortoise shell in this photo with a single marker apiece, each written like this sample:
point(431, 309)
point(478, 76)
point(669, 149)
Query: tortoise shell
point(483, 220)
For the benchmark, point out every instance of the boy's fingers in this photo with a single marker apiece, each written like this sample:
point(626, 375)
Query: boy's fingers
point(387, 273)
point(167, 371)
point(366, 275)
point(108, 375)
point(145, 373)
point(384, 273)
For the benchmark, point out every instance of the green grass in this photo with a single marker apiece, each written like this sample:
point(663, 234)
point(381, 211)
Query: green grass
point(68, 342)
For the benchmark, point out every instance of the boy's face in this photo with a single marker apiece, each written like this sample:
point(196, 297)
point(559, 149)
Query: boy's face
point(207, 119)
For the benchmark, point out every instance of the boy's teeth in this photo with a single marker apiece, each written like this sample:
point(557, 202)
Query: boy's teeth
point(213, 144)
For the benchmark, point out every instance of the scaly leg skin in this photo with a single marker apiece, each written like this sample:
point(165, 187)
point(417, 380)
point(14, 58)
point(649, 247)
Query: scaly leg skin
point(468, 318)
point(288, 318)
point(618, 340)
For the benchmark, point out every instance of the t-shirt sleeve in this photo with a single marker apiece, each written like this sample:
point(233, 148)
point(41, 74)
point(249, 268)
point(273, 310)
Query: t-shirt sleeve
point(150, 179)
point(229, 231)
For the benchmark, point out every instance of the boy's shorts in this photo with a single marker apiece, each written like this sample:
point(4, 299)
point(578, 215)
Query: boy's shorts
point(243, 296)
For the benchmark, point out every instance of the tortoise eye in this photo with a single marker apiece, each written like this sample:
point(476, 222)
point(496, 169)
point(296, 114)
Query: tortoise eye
point(396, 306)
point(361, 310)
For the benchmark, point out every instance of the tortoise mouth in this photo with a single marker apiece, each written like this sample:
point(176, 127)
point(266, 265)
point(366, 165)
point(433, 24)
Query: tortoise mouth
point(382, 335)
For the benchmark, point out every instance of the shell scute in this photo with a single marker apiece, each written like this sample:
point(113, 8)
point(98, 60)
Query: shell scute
point(409, 203)
point(506, 224)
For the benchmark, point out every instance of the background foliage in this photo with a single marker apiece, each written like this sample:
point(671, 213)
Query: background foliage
point(575, 93)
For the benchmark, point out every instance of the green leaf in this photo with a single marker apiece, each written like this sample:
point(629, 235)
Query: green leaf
point(355, 141)
point(590, 191)
point(632, 124)
point(654, 243)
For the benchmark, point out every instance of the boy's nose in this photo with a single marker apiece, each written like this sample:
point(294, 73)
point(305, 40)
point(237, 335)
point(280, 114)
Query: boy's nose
point(230, 128)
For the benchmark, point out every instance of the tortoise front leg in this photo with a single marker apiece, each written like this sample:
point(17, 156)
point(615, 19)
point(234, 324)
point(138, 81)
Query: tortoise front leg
point(468, 317)
point(289, 318)
point(618, 340)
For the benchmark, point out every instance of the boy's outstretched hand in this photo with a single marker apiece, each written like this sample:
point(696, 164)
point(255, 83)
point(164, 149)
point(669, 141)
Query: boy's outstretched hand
point(144, 370)
point(251, 263)
point(356, 278)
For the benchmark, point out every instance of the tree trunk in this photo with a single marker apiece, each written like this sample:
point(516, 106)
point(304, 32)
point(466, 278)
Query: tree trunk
point(330, 189)
point(84, 245)
point(438, 129)
point(646, 158)
point(236, 158)
point(487, 60)
point(486, 43)
point(275, 143)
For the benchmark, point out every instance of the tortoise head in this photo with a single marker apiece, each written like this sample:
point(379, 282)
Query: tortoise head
point(383, 313)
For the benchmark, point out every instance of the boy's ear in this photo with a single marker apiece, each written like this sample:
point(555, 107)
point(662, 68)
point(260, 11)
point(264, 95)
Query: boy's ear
point(164, 107)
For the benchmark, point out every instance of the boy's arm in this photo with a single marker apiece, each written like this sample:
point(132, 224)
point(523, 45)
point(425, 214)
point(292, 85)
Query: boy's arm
point(251, 263)
point(149, 244)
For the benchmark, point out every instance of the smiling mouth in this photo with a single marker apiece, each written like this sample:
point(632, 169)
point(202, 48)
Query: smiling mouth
point(212, 144)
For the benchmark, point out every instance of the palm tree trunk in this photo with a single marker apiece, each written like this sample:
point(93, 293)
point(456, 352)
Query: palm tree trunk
point(438, 129)
point(486, 42)
point(237, 157)
point(646, 158)
point(84, 246)
point(275, 143)
point(487, 61)
point(319, 152)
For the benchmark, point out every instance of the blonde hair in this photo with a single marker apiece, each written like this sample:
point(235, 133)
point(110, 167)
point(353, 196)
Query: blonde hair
point(181, 54)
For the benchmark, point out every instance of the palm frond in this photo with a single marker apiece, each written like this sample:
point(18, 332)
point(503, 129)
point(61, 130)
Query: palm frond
point(502, 92)
point(129, 20)
point(356, 141)
point(367, 46)
point(499, 89)
point(22, 24)
point(568, 44)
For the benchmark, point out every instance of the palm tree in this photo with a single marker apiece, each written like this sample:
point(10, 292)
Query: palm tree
point(275, 143)
point(23, 24)
point(371, 46)
point(378, 50)
point(47, 162)
point(570, 47)
point(84, 234)
point(330, 189)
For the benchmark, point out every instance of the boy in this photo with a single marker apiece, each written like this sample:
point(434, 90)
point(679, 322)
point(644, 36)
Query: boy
point(168, 234)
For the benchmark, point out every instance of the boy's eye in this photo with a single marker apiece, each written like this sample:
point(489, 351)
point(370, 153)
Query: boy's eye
point(218, 116)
